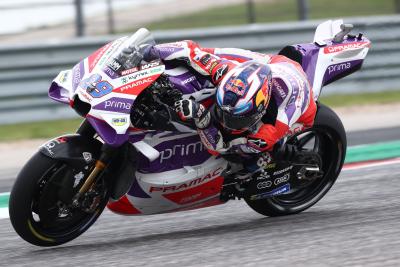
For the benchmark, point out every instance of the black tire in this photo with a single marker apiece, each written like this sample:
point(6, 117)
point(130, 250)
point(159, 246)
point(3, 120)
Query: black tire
point(27, 194)
point(329, 128)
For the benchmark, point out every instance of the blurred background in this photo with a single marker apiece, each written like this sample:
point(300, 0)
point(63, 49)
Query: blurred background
point(39, 38)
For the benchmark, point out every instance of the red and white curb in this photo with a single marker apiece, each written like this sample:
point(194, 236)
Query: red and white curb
point(369, 164)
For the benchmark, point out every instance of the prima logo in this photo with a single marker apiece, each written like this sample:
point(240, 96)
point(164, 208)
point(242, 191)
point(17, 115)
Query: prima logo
point(181, 151)
point(118, 105)
point(339, 67)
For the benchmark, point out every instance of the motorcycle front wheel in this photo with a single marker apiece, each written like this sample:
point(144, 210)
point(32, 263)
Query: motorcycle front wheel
point(327, 137)
point(40, 206)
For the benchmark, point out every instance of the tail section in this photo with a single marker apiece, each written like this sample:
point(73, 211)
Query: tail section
point(333, 55)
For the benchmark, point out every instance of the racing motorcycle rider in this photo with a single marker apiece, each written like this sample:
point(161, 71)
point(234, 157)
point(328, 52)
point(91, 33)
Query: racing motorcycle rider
point(259, 98)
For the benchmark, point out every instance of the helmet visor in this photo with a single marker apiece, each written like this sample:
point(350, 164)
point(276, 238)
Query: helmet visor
point(233, 122)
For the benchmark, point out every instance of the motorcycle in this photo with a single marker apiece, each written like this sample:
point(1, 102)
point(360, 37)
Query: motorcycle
point(134, 155)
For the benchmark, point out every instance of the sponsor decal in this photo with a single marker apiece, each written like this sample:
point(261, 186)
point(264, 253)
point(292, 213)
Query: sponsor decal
point(212, 66)
point(181, 150)
point(63, 77)
point(279, 88)
point(221, 71)
point(87, 156)
point(208, 189)
point(263, 176)
point(271, 166)
point(119, 121)
point(283, 170)
point(178, 187)
point(205, 59)
point(50, 145)
point(205, 138)
point(150, 65)
point(188, 80)
point(177, 44)
point(280, 190)
point(110, 73)
point(282, 179)
point(86, 96)
point(264, 160)
point(129, 71)
point(264, 184)
point(339, 67)
point(96, 87)
point(343, 47)
point(78, 72)
point(146, 66)
point(78, 177)
point(114, 65)
point(115, 104)
point(135, 87)
point(236, 86)
point(96, 56)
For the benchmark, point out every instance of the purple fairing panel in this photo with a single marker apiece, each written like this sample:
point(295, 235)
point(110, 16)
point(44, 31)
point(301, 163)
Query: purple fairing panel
point(55, 93)
point(188, 82)
point(310, 53)
point(175, 154)
point(77, 74)
point(165, 50)
point(107, 133)
point(336, 71)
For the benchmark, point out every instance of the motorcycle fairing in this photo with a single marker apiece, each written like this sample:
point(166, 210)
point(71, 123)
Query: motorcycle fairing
point(74, 149)
point(180, 189)
point(325, 61)
point(110, 93)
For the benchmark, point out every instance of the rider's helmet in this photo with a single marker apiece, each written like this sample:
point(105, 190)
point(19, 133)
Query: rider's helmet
point(243, 95)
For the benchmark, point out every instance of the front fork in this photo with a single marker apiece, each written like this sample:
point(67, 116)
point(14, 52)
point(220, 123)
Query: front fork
point(107, 153)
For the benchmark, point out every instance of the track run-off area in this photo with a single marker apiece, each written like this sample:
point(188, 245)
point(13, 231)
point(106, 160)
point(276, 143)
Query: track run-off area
point(356, 224)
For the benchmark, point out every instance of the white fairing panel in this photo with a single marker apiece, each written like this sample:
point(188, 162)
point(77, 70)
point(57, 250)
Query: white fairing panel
point(179, 189)
point(335, 57)
point(327, 30)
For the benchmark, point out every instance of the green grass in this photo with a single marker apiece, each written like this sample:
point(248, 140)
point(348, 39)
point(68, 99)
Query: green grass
point(275, 11)
point(50, 129)
point(36, 130)
point(361, 99)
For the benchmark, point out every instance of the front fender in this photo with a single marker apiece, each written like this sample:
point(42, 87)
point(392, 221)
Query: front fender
point(74, 149)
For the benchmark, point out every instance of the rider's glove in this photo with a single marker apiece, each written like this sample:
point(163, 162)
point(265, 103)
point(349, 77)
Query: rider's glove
point(188, 109)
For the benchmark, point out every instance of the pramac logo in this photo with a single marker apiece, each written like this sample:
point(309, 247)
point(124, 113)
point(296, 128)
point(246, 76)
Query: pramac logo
point(343, 47)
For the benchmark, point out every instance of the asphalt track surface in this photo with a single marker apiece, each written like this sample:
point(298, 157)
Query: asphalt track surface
point(356, 224)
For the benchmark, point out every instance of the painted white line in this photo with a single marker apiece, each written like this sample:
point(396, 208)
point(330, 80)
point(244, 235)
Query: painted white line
point(3, 213)
point(5, 194)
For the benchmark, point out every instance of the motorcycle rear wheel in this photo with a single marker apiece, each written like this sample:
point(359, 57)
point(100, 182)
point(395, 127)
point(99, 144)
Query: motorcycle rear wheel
point(38, 206)
point(330, 142)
